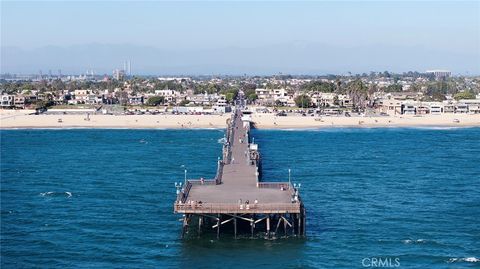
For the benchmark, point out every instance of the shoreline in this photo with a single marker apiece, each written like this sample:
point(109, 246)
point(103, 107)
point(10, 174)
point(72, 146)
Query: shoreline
point(22, 120)
point(282, 128)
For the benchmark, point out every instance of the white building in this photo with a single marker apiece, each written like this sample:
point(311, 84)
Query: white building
point(169, 95)
point(7, 100)
point(409, 109)
point(436, 108)
point(264, 96)
point(439, 73)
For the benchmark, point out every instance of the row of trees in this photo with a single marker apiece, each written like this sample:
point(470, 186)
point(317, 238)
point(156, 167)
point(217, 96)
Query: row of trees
point(318, 86)
point(357, 90)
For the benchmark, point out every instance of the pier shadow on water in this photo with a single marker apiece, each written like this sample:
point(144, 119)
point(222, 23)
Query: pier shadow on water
point(206, 251)
point(243, 252)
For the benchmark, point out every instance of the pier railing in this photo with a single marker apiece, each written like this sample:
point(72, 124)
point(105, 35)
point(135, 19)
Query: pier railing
point(182, 196)
point(227, 149)
point(218, 176)
point(274, 185)
point(202, 182)
point(277, 185)
point(196, 207)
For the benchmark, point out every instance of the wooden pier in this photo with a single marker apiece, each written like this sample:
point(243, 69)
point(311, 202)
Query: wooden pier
point(236, 197)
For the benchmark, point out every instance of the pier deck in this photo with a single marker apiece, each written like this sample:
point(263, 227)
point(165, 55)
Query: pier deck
point(236, 183)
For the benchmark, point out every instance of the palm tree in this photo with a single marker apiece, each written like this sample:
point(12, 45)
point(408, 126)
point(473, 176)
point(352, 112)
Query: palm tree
point(358, 92)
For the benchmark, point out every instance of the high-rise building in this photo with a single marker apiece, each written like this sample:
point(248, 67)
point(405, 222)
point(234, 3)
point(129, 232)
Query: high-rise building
point(118, 74)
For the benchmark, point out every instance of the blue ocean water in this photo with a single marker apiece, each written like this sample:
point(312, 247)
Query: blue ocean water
point(103, 198)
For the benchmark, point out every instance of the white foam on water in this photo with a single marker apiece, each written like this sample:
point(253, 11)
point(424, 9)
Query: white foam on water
point(413, 241)
point(467, 259)
point(438, 127)
point(52, 193)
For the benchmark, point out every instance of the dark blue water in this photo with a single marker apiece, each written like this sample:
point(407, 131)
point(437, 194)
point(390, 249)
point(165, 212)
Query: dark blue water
point(103, 198)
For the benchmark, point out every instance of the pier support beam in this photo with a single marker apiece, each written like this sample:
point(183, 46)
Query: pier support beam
point(185, 225)
point(268, 226)
point(303, 221)
point(235, 225)
point(292, 220)
point(218, 226)
point(200, 222)
point(299, 228)
point(278, 225)
point(252, 225)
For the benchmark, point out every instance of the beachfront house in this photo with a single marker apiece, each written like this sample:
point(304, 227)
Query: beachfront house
point(324, 99)
point(474, 109)
point(409, 109)
point(135, 100)
point(436, 108)
point(264, 96)
point(169, 95)
point(19, 101)
point(222, 102)
point(391, 107)
point(448, 107)
point(473, 105)
point(280, 95)
point(204, 99)
point(422, 109)
point(461, 108)
point(344, 100)
point(7, 100)
point(79, 97)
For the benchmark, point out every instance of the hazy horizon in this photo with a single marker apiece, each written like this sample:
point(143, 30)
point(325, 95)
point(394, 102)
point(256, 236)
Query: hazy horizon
point(234, 38)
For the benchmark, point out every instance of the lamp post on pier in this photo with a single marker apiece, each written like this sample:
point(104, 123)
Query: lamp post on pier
point(178, 185)
point(289, 179)
point(185, 175)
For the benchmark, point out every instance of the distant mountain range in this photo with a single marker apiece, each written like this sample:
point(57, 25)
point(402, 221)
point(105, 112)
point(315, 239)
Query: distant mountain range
point(297, 58)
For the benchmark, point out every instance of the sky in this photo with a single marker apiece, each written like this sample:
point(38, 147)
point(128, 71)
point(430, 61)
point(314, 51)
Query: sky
point(240, 37)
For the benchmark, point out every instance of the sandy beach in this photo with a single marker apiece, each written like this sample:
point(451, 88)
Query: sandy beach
point(21, 119)
point(450, 120)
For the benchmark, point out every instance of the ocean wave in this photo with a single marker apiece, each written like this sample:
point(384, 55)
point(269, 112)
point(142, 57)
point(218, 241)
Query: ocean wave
point(340, 128)
point(439, 127)
point(319, 129)
point(413, 241)
point(56, 194)
point(467, 259)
